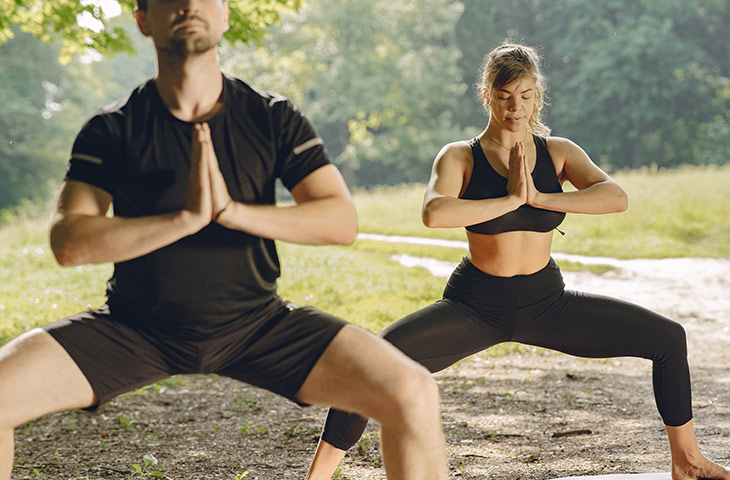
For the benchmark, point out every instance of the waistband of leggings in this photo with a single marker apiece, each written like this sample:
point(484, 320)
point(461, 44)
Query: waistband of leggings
point(468, 282)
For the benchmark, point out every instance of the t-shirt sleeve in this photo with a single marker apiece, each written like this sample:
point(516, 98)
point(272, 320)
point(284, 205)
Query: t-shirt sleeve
point(95, 156)
point(300, 151)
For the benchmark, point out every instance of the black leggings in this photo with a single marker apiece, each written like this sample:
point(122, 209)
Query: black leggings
point(480, 310)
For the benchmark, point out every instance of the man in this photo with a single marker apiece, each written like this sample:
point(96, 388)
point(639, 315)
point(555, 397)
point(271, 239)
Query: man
point(189, 161)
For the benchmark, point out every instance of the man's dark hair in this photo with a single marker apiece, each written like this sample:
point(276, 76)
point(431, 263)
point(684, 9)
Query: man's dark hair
point(142, 5)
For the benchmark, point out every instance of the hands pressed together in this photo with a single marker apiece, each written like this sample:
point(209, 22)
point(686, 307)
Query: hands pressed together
point(207, 195)
point(520, 183)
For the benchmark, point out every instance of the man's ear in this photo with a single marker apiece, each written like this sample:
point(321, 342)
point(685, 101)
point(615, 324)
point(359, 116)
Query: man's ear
point(141, 18)
point(226, 17)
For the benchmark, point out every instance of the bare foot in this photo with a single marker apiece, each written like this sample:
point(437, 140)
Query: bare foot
point(699, 469)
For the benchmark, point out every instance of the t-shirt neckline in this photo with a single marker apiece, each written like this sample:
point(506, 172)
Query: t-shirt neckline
point(211, 121)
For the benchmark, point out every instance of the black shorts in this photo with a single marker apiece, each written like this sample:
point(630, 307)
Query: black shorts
point(275, 349)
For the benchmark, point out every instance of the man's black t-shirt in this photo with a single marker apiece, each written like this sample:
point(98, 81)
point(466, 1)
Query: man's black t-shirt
point(136, 150)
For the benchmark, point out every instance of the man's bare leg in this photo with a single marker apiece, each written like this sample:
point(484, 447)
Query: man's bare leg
point(37, 377)
point(688, 463)
point(363, 374)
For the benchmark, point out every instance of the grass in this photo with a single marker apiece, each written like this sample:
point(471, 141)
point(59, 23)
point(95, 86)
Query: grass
point(677, 213)
point(35, 290)
point(366, 288)
point(360, 286)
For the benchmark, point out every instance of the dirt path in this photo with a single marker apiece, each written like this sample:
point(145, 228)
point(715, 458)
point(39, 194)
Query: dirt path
point(534, 415)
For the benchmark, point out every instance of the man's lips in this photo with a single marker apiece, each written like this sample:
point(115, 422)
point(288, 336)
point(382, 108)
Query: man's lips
point(185, 23)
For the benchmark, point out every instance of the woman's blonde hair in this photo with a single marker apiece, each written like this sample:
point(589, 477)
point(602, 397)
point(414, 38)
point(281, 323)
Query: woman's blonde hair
point(506, 63)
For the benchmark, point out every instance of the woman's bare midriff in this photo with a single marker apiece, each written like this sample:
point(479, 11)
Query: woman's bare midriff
point(510, 253)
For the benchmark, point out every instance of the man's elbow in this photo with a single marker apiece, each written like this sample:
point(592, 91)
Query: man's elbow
point(64, 251)
point(344, 238)
point(344, 227)
point(65, 256)
point(346, 233)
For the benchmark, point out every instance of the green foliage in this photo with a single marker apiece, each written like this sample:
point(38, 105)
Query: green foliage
point(45, 104)
point(30, 133)
point(632, 116)
point(249, 19)
point(145, 470)
point(124, 422)
point(58, 20)
point(635, 83)
point(364, 73)
point(387, 83)
point(368, 449)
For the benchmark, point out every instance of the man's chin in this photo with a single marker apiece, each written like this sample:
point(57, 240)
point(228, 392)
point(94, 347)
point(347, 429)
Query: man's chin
point(190, 46)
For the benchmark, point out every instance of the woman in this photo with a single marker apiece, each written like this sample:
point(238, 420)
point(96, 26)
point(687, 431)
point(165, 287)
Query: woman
point(504, 186)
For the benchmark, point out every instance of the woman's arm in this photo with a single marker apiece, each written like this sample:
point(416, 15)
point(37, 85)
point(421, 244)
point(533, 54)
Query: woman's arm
point(597, 192)
point(442, 206)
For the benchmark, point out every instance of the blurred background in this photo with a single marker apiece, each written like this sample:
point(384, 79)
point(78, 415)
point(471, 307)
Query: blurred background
point(636, 83)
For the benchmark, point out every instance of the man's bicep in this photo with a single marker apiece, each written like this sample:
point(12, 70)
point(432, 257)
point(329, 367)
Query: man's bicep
point(82, 199)
point(324, 182)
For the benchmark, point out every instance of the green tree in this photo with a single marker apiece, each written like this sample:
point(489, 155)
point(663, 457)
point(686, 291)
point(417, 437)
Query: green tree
point(51, 20)
point(634, 94)
point(635, 82)
point(377, 78)
point(30, 135)
point(45, 103)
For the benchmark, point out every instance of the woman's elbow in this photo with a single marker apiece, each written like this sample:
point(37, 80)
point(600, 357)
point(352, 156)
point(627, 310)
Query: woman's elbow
point(622, 201)
point(437, 219)
point(429, 219)
point(613, 198)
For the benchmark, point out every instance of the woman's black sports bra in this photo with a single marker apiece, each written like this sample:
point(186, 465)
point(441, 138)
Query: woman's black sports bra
point(485, 182)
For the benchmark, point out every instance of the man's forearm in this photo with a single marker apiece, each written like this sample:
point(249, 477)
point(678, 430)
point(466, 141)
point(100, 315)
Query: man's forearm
point(330, 220)
point(79, 239)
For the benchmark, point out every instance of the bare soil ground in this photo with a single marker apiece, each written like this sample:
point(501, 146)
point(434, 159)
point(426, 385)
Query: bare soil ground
point(534, 415)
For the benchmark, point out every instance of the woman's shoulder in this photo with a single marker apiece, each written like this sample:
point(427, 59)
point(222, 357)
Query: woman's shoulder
point(454, 156)
point(458, 150)
point(560, 146)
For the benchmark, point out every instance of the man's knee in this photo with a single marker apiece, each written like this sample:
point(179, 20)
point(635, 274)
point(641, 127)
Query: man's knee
point(31, 365)
point(414, 394)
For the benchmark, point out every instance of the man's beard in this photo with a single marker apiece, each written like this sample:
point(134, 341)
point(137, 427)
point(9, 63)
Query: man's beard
point(184, 47)
point(195, 45)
